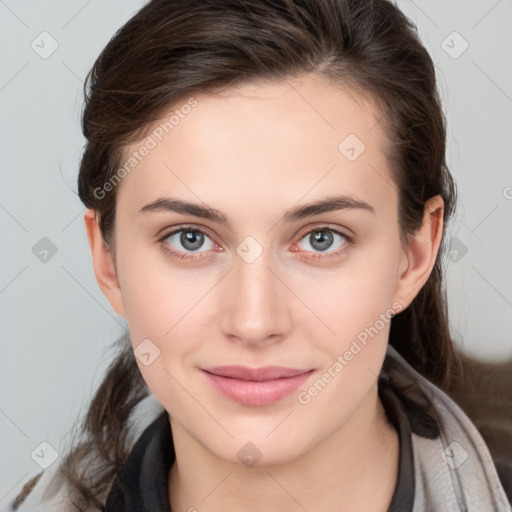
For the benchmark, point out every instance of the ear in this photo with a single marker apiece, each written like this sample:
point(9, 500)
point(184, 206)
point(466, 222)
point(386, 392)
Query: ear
point(103, 263)
point(420, 256)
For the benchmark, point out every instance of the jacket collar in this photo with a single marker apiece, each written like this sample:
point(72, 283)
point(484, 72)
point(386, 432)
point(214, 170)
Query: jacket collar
point(142, 482)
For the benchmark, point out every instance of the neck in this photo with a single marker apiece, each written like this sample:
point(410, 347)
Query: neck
point(334, 476)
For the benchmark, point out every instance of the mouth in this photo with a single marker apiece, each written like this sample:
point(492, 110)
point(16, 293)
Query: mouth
point(261, 386)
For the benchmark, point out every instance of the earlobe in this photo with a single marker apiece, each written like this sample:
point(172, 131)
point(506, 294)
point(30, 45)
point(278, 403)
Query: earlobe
point(103, 263)
point(421, 253)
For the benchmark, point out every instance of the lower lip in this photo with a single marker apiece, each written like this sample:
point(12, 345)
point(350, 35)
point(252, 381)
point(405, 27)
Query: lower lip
point(257, 393)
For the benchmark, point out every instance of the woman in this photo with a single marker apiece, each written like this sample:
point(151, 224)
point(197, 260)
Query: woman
point(267, 197)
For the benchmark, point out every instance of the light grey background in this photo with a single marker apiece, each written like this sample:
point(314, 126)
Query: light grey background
point(55, 323)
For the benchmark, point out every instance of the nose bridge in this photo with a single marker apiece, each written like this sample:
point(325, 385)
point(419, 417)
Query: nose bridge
point(254, 307)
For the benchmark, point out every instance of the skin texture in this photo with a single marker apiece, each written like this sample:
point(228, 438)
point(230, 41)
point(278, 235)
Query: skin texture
point(253, 153)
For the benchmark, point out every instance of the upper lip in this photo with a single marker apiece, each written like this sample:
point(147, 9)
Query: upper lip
point(255, 374)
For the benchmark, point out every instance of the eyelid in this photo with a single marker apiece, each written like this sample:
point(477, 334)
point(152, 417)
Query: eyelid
point(325, 226)
point(185, 227)
point(304, 231)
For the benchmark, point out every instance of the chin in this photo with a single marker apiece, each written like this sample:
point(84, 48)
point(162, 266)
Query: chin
point(258, 451)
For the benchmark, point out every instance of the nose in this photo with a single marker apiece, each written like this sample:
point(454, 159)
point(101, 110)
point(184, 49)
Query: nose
point(255, 310)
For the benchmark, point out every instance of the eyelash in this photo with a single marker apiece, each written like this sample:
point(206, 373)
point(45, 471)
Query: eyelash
point(349, 241)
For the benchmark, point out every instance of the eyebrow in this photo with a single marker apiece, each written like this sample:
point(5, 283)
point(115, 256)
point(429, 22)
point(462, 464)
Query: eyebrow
point(329, 204)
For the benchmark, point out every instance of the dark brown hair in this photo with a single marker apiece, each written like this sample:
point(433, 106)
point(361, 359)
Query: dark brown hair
point(173, 49)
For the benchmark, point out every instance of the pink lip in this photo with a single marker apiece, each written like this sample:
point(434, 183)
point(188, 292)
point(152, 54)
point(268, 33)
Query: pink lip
point(261, 386)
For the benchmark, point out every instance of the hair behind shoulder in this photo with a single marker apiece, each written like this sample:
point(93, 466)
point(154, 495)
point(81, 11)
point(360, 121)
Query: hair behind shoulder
point(104, 436)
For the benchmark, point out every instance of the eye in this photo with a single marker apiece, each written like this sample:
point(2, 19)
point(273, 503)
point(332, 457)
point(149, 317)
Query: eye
point(323, 238)
point(186, 239)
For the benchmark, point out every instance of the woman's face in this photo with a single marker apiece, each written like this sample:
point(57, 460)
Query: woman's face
point(267, 282)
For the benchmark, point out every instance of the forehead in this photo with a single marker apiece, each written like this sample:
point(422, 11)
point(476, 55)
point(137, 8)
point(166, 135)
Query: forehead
point(271, 142)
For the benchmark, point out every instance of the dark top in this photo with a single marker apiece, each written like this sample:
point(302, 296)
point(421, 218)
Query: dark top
point(142, 482)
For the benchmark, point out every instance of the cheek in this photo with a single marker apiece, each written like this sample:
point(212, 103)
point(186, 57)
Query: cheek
point(165, 306)
point(148, 309)
point(159, 326)
point(150, 294)
point(358, 311)
point(354, 297)
point(356, 306)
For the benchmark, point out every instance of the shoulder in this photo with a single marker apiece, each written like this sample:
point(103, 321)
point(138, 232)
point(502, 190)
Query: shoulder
point(50, 491)
point(456, 468)
point(453, 469)
point(47, 491)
